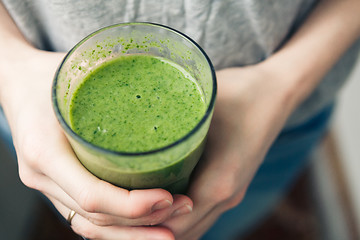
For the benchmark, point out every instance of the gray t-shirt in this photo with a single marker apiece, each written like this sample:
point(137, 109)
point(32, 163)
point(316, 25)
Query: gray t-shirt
point(232, 32)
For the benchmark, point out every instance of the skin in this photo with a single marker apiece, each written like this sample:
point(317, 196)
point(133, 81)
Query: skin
point(248, 116)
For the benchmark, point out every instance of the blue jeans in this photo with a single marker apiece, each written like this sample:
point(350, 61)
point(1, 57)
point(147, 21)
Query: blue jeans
point(285, 159)
point(5, 134)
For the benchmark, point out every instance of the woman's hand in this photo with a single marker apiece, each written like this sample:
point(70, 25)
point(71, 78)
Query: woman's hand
point(48, 164)
point(250, 111)
point(252, 106)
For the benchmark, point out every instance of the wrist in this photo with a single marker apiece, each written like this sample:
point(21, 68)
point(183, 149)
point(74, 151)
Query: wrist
point(16, 59)
point(292, 81)
point(25, 80)
point(311, 52)
point(281, 86)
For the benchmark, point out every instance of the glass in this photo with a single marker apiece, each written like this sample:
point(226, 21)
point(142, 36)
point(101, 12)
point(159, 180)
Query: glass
point(169, 167)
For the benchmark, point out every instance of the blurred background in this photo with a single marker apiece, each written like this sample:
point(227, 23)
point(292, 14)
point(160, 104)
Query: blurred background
point(324, 203)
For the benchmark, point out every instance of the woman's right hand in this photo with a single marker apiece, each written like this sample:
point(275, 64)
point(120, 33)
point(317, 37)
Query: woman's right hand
point(47, 163)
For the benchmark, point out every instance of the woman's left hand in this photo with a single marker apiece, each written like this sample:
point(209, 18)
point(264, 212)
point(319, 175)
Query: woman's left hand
point(250, 111)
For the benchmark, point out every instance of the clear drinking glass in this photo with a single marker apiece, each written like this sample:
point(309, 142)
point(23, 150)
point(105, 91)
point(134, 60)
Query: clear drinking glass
point(169, 167)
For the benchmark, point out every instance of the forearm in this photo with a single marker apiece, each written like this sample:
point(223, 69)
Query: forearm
point(13, 48)
point(9, 33)
point(26, 75)
point(328, 32)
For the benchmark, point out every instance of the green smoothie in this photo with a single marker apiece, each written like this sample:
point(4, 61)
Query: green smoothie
point(136, 103)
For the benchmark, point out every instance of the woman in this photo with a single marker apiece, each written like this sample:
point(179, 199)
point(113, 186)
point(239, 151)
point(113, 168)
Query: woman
point(279, 65)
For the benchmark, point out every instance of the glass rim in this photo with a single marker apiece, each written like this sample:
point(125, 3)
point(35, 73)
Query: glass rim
point(69, 130)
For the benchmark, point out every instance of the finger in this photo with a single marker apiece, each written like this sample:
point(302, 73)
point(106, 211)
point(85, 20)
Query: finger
point(88, 230)
point(94, 195)
point(191, 228)
point(197, 228)
point(181, 205)
point(52, 155)
point(195, 224)
point(179, 224)
point(51, 189)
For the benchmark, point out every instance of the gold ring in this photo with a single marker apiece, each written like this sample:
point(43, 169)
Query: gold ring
point(70, 216)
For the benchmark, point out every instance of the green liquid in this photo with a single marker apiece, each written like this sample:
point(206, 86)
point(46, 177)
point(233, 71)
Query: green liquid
point(136, 103)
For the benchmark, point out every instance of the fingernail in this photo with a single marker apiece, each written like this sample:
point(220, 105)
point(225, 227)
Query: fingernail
point(182, 210)
point(161, 205)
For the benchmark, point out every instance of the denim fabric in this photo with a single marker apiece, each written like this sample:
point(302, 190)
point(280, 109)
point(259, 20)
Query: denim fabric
point(5, 134)
point(288, 155)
